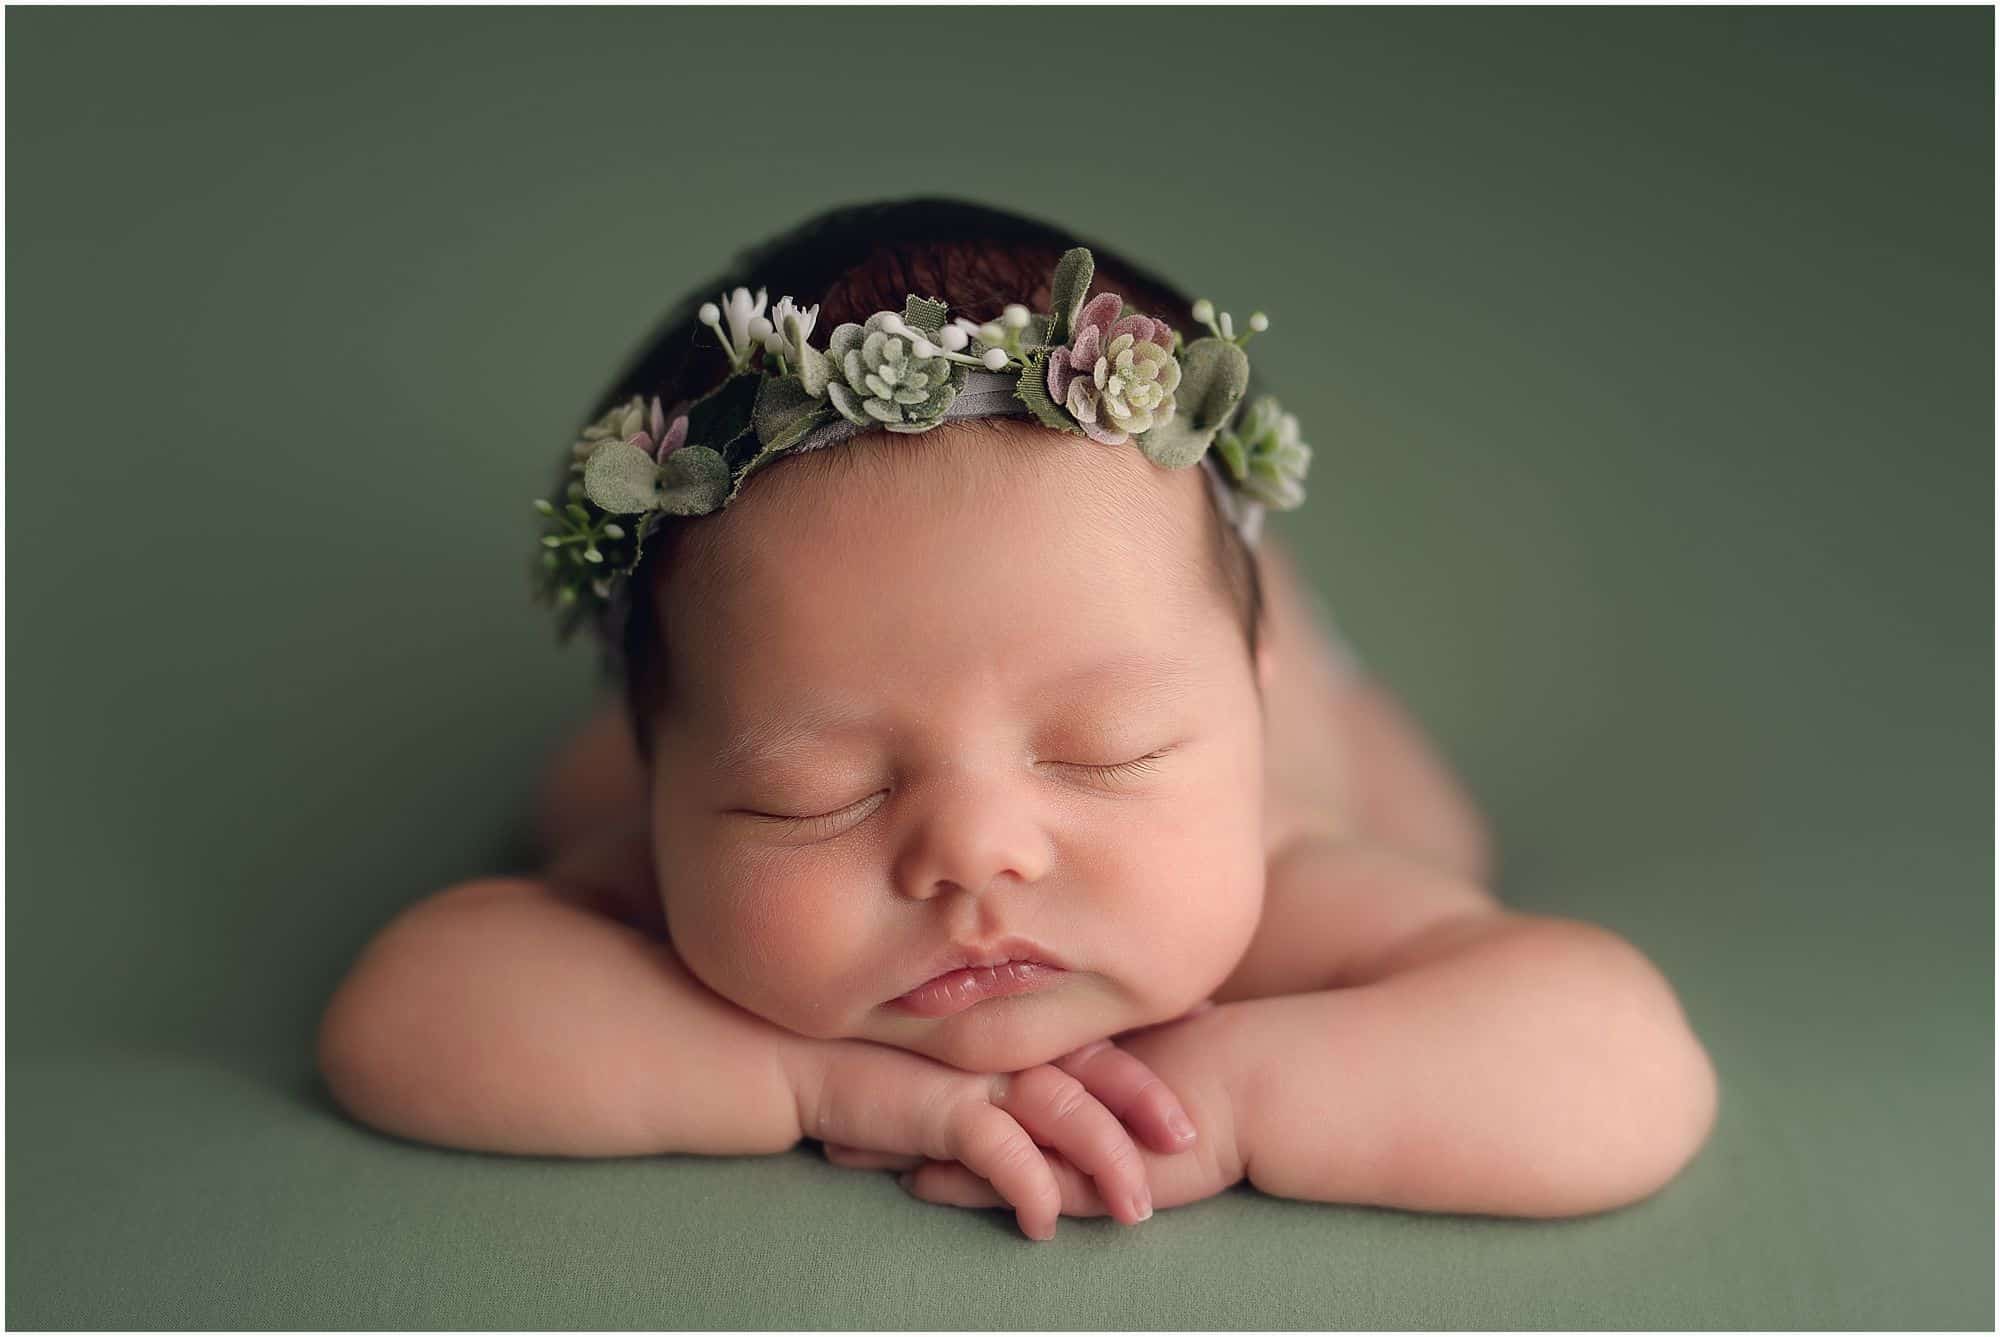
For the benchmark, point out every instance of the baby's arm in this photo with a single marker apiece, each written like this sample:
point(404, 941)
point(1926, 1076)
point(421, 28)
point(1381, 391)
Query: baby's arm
point(1453, 1056)
point(500, 1016)
point(1479, 1060)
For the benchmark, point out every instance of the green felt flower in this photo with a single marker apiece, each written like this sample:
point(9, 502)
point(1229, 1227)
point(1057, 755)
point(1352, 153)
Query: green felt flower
point(1265, 455)
point(884, 374)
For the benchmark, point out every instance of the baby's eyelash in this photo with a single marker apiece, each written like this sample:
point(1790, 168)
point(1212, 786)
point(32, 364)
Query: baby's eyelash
point(1138, 766)
point(793, 823)
point(1121, 770)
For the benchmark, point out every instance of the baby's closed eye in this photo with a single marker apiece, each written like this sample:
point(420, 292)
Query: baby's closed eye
point(1121, 773)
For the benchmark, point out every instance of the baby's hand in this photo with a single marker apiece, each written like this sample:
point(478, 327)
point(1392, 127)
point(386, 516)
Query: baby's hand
point(876, 1107)
point(1181, 1051)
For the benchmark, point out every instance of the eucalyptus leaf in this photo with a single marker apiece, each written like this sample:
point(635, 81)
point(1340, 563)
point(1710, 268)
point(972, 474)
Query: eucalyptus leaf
point(1214, 375)
point(621, 478)
point(693, 481)
point(1067, 291)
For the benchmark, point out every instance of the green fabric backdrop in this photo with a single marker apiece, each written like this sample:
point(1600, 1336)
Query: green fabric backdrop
point(1648, 358)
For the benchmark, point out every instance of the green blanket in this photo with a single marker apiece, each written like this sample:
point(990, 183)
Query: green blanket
point(1647, 359)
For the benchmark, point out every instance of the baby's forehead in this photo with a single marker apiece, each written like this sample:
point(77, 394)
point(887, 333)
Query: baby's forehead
point(972, 474)
point(980, 547)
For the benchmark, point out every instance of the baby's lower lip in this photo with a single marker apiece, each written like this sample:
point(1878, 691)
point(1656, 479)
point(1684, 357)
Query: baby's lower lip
point(961, 989)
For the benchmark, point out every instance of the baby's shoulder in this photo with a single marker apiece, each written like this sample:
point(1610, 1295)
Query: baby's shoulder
point(611, 873)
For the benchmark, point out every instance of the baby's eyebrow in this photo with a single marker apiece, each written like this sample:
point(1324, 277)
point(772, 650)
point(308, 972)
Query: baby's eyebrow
point(1152, 674)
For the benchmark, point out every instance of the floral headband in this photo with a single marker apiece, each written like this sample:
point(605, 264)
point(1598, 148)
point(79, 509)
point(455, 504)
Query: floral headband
point(1096, 368)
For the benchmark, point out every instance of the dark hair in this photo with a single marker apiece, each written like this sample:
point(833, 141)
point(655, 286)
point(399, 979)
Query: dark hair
point(853, 261)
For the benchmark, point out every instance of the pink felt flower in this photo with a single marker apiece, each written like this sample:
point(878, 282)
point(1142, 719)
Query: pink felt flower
point(1117, 376)
point(631, 423)
point(660, 444)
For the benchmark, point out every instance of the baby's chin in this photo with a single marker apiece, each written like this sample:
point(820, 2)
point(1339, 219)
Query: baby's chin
point(1011, 1051)
point(1007, 1034)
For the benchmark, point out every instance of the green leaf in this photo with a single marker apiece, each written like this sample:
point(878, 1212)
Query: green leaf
point(1214, 375)
point(1068, 289)
point(622, 479)
point(1231, 451)
point(814, 371)
point(645, 531)
point(793, 432)
point(720, 419)
point(784, 412)
point(1033, 390)
point(921, 313)
point(1036, 333)
point(693, 481)
point(757, 462)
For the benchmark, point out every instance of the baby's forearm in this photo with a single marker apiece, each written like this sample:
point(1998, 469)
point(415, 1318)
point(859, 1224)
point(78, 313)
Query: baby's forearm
point(497, 1017)
point(1541, 1067)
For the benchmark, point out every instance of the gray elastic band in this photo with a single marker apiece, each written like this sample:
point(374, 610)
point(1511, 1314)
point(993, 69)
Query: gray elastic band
point(990, 394)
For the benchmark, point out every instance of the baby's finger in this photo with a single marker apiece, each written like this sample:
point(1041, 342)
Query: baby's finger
point(995, 1145)
point(860, 1158)
point(1060, 1112)
point(949, 1182)
point(1133, 1092)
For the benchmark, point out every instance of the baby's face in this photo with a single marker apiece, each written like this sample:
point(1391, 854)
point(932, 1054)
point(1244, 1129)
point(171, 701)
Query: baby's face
point(921, 662)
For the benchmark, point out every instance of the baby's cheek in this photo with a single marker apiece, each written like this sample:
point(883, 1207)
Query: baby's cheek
point(1189, 893)
point(1204, 851)
point(1224, 902)
point(785, 946)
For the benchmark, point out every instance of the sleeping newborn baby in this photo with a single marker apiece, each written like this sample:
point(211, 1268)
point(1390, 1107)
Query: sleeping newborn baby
point(991, 810)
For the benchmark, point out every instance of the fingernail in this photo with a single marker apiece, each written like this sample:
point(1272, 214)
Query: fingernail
point(1051, 1234)
point(1178, 1125)
point(1145, 1203)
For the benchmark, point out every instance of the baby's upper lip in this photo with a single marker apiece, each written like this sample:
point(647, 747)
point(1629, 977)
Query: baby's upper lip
point(964, 956)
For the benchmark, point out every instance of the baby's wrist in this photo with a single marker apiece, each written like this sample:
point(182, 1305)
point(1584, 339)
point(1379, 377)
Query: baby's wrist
point(803, 1060)
point(1196, 1054)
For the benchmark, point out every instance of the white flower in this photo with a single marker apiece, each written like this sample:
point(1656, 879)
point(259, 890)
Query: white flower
point(788, 340)
point(740, 309)
point(744, 313)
